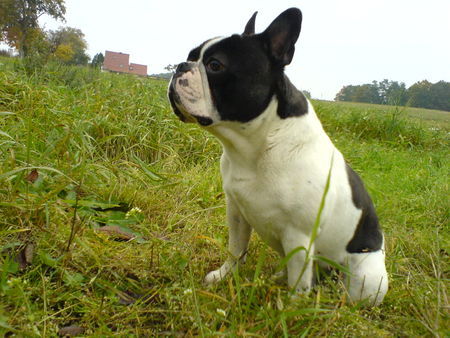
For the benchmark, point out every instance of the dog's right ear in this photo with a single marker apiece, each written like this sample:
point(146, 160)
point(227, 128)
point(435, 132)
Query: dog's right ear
point(282, 34)
point(250, 26)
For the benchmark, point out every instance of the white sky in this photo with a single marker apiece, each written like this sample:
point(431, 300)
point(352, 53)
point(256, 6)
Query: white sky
point(342, 42)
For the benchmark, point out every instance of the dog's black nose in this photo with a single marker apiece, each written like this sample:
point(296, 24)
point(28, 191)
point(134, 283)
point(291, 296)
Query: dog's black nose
point(184, 67)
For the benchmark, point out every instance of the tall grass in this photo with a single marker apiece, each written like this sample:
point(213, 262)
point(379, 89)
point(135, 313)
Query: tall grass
point(111, 213)
point(383, 123)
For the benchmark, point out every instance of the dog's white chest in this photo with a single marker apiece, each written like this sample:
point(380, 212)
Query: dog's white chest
point(257, 203)
point(277, 188)
point(269, 197)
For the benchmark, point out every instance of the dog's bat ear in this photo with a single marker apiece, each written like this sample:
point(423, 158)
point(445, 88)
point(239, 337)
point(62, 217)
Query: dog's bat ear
point(282, 34)
point(250, 26)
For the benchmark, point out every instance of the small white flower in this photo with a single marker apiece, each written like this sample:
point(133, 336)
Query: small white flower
point(188, 292)
point(221, 312)
point(133, 211)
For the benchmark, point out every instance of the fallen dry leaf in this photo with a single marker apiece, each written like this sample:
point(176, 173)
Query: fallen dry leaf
point(32, 176)
point(70, 331)
point(29, 253)
point(128, 297)
point(25, 256)
point(116, 232)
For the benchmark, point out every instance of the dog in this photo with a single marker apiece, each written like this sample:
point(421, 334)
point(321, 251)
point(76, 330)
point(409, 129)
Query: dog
point(281, 172)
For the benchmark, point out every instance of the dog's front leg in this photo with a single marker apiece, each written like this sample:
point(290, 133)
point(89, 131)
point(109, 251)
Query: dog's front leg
point(239, 232)
point(299, 266)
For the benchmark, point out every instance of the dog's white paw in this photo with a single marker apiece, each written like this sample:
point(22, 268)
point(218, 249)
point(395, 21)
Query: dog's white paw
point(369, 279)
point(213, 277)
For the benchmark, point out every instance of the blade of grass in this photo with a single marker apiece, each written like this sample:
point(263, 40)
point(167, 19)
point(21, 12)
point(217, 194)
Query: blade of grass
point(315, 229)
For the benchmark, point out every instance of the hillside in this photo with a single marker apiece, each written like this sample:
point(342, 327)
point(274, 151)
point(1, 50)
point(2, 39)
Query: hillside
point(433, 118)
point(112, 212)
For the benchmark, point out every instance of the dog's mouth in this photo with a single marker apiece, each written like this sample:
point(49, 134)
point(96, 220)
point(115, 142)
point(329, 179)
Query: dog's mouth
point(203, 121)
point(181, 112)
point(175, 102)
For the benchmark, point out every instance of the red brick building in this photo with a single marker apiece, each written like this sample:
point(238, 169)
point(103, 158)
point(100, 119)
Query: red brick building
point(138, 69)
point(120, 62)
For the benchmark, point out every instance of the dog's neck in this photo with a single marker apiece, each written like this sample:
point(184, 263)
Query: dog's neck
point(247, 140)
point(246, 143)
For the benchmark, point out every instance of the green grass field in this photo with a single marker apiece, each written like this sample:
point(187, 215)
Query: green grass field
point(112, 212)
point(431, 118)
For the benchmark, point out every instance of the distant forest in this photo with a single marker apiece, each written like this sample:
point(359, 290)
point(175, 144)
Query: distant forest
point(423, 94)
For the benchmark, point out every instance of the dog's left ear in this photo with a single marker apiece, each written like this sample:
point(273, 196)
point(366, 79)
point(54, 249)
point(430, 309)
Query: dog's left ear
point(250, 26)
point(282, 34)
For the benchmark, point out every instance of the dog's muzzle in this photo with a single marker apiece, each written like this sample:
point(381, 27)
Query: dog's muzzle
point(180, 86)
point(175, 100)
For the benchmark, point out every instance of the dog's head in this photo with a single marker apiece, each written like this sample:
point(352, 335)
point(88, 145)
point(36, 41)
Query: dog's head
point(235, 78)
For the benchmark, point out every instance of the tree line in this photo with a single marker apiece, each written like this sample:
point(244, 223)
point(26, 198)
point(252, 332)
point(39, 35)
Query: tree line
point(423, 94)
point(19, 29)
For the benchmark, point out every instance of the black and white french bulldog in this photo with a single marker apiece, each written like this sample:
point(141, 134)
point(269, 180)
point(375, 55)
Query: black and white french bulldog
point(277, 158)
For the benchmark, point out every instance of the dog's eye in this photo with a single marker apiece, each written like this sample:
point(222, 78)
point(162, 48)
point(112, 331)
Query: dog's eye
point(215, 66)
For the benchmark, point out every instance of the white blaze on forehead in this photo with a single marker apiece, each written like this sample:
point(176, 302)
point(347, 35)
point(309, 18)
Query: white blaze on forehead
point(207, 45)
point(193, 89)
point(210, 110)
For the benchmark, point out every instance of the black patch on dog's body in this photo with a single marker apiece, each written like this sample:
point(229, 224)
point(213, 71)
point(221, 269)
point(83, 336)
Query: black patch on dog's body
point(291, 101)
point(368, 236)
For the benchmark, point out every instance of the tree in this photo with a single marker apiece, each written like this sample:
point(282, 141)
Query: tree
point(19, 20)
point(66, 37)
point(422, 94)
point(362, 93)
point(392, 92)
point(64, 53)
point(367, 93)
point(440, 95)
point(38, 51)
point(384, 92)
point(171, 68)
point(347, 93)
point(97, 60)
point(419, 94)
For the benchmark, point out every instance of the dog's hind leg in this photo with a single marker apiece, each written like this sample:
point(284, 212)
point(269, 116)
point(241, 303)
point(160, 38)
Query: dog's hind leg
point(239, 232)
point(368, 280)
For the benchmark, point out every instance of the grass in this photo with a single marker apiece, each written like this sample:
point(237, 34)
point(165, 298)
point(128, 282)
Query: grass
point(430, 117)
point(108, 152)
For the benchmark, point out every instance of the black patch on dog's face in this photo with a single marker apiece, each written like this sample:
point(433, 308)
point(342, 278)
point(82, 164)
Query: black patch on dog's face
point(248, 79)
point(194, 54)
point(368, 236)
point(240, 76)
point(245, 72)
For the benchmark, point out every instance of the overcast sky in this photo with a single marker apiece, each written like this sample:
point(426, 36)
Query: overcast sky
point(342, 42)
